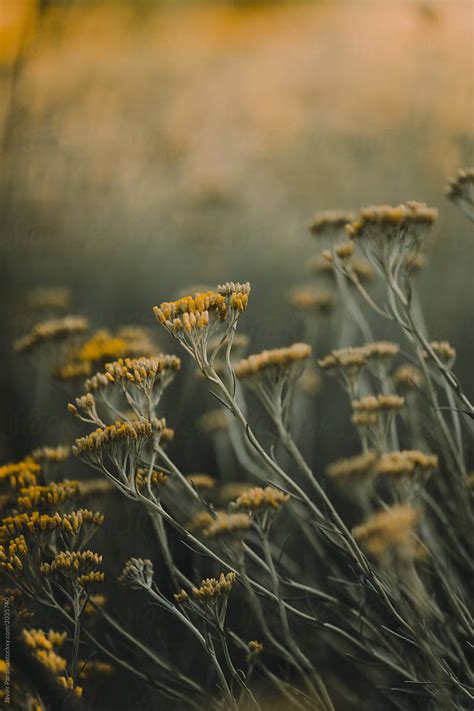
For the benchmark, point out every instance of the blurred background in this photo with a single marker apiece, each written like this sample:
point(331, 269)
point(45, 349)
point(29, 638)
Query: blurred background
point(151, 146)
point(148, 145)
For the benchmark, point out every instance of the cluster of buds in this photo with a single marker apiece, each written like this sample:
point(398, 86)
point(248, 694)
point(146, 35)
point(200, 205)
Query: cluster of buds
point(49, 331)
point(392, 530)
point(312, 299)
point(45, 497)
point(36, 523)
point(201, 481)
point(120, 433)
point(330, 223)
point(49, 298)
point(193, 320)
point(225, 525)
point(359, 467)
point(72, 370)
point(19, 474)
point(276, 364)
point(443, 350)
point(406, 462)
point(261, 504)
point(67, 683)
point(155, 479)
point(211, 597)
point(214, 421)
point(212, 588)
point(37, 639)
point(256, 498)
point(80, 564)
point(143, 379)
point(51, 454)
point(138, 573)
point(407, 377)
point(391, 234)
point(373, 404)
point(461, 190)
point(104, 346)
point(13, 555)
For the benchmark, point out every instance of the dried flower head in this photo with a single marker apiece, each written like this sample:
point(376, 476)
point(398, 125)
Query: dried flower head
point(50, 331)
point(388, 531)
point(19, 474)
point(406, 462)
point(214, 421)
point(194, 320)
point(13, 555)
point(276, 364)
point(49, 298)
point(461, 191)
point(407, 377)
point(201, 481)
point(212, 588)
point(225, 525)
point(156, 479)
point(45, 497)
point(312, 299)
point(388, 234)
point(378, 403)
point(138, 573)
point(360, 466)
point(257, 498)
point(330, 223)
point(76, 566)
point(382, 350)
point(51, 454)
point(445, 352)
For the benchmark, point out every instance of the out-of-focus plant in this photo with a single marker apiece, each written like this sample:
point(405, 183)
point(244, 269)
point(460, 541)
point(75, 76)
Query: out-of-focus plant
point(382, 581)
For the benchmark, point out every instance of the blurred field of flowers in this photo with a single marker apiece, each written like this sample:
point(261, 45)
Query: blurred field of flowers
point(153, 149)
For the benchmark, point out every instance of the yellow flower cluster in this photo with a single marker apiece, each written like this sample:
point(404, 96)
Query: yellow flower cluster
point(102, 346)
point(406, 462)
point(35, 522)
point(392, 219)
point(51, 661)
point(255, 647)
point(460, 186)
point(51, 454)
point(378, 403)
point(19, 474)
point(45, 496)
point(51, 330)
point(68, 683)
point(227, 524)
point(212, 588)
point(388, 530)
point(408, 377)
point(142, 371)
point(49, 298)
point(77, 562)
point(357, 467)
point(157, 478)
point(72, 370)
point(443, 350)
point(355, 358)
point(352, 359)
point(258, 498)
point(12, 557)
point(278, 361)
point(214, 421)
point(193, 313)
point(312, 298)
point(201, 481)
point(330, 221)
point(38, 639)
point(125, 432)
